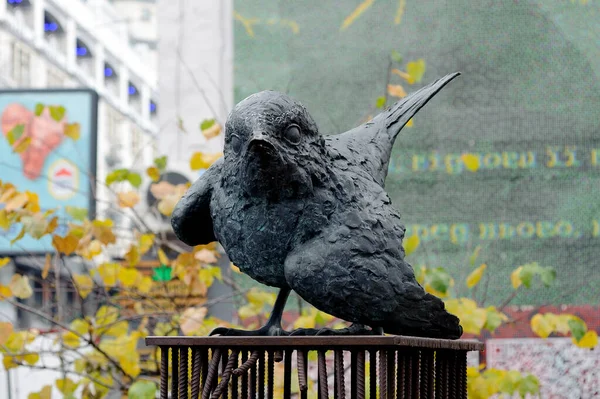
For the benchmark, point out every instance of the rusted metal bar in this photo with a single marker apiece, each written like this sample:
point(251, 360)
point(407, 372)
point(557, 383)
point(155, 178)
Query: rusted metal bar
point(174, 372)
point(415, 378)
point(360, 378)
point(252, 379)
point(164, 372)
point(212, 375)
point(339, 383)
point(183, 372)
point(271, 374)
point(391, 371)
point(226, 375)
point(409, 391)
point(224, 361)
point(426, 374)
point(203, 368)
point(353, 375)
point(319, 342)
point(261, 375)
point(287, 374)
point(382, 360)
point(301, 356)
point(234, 377)
point(244, 384)
point(400, 374)
point(452, 375)
point(372, 374)
point(195, 373)
point(322, 365)
point(441, 375)
point(462, 377)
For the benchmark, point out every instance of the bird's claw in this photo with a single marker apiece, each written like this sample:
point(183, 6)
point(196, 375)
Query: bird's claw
point(354, 329)
point(266, 331)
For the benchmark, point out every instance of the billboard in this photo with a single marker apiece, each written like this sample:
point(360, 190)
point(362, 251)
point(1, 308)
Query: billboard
point(525, 110)
point(59, 169)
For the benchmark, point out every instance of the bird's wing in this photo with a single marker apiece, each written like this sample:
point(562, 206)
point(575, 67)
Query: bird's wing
point(355, 270)
point(191, 218)
point(370, 145)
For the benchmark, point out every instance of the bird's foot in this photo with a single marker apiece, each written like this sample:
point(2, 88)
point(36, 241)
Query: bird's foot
point(354, 329)
point(265, 331)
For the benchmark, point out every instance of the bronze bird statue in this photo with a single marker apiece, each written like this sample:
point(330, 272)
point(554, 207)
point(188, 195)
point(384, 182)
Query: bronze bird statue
point(300, 211)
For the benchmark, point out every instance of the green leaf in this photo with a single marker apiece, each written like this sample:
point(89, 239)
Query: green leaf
point(161, 162)
point(57, 112)
point(206, 124)
point(39, 108)
point(527, 273)
point(77, 213)
point(135, 179)
point(474, 255)
point(548, 275)
point(396, 56)
point(117, 175)
point(529, 384)
point(380, 103)
point(440, 279)
point(578, 328)
point(15, 133)
point(142, 389)
point(162, 273)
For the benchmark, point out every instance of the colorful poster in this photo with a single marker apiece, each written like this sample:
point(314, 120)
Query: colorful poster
point(56, 165)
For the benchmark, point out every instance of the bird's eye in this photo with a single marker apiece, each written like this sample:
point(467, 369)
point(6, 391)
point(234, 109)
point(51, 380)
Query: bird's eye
point(236, 143)
point(292, 134)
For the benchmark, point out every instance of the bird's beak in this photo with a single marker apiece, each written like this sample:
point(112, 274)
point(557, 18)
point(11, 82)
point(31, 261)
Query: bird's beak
point(260, 141)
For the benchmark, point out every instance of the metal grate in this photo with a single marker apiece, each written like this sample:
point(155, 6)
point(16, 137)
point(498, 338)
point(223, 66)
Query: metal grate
point(352, 367)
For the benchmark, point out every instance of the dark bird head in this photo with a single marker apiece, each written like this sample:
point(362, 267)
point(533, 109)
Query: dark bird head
point(274, 144)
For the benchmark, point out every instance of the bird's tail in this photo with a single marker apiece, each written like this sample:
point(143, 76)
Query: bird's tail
point(427, 318)
point(401, 112)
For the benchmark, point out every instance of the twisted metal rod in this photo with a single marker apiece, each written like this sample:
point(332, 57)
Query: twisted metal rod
point(226, 375)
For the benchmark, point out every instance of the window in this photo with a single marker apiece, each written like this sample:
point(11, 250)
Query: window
point(21, 64)
point(55, 78)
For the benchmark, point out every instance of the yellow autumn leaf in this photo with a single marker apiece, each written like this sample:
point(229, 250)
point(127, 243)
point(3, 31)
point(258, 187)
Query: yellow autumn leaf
point(247, 311)
point(411, 244)
point(6, 329)
point(8, 362)
point(162, 257)
point(22, 145)
point(358, 11)
point(33, 202)
point(128, 276)
point(471, 162)
point(132, 256)
point(80, 326)
point(409, 123)
point(66, 386)
point(4, 220)
point(5, 292)
point(31, 358)
point(109, 273)
point(400, 73)
point(415, 70)
point(542, 326)
point(84, 284)
point(73, 131)
point(400, 12)
point(145, 284)
point(192, 320)
point(70, 339)
point(475, 276)
point(307, 321)
point(588, 341)
point(396, 91)
point(47, 266)
point(201, 160)
point(433, 291)
point(145, 242)
point(45, 393)
point(106, 315)
point(102, 230)
point(20, 287)
point(66, 245)
point(52, 225)
point(515, 277)
point(260, 298)
point(116, 330)
point(94, 248)
point(153, 173)
point(128, 199)
point(212, 131)
point(4, 261)
point(16, 202)
point(234, 268)
point(561, 323)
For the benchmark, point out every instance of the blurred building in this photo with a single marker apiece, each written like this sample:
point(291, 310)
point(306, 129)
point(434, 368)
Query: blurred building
point(85, 44)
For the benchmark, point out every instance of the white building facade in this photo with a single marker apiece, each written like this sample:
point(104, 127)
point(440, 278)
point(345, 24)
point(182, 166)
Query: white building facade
point(82, 44)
